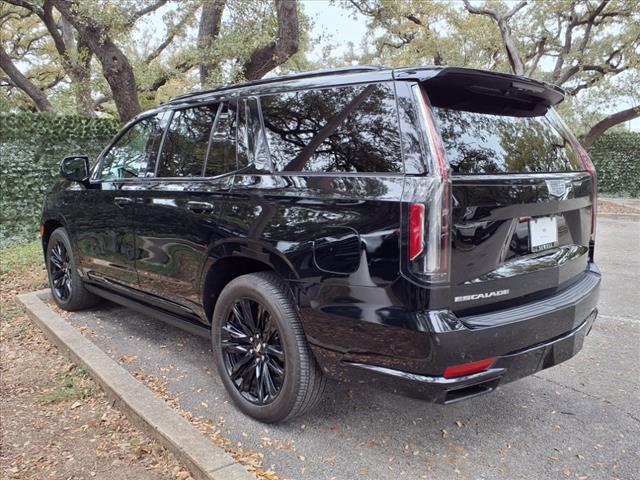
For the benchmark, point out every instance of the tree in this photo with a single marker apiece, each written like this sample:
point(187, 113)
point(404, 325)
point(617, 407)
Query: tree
point(581, 45)
point(251, 39)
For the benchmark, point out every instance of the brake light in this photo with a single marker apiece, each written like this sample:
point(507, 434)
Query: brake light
point(429, 252)
point(468, 368)
point(416, 230)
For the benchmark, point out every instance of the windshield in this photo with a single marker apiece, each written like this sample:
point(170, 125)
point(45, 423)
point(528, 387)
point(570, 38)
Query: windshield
point(480, 143)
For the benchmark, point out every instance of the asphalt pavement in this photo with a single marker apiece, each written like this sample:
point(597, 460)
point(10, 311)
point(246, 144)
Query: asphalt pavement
point(578, 420)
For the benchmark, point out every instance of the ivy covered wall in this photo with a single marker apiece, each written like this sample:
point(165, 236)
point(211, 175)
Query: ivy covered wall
point(31, 147)
point(616, 156)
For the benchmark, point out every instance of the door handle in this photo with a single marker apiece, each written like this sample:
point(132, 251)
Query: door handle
point(200, 207)
point(122, 201)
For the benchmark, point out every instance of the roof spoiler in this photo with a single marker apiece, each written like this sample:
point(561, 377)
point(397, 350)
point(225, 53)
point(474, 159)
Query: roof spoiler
point(484, 91)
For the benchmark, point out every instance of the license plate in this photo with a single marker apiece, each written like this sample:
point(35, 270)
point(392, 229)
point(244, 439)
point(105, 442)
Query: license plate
point(543, 233)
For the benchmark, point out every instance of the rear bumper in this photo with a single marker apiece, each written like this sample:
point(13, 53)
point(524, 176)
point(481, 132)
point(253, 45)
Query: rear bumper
point(524, 340)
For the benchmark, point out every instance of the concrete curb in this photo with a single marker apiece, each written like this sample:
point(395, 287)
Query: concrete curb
point(634, 217)
point(204, 459)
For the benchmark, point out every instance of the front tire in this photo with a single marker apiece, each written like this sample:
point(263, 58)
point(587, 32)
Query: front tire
point(67, 288)
point(261, 350)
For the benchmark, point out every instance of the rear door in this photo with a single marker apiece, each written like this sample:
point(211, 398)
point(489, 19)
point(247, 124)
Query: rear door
point(521, 195)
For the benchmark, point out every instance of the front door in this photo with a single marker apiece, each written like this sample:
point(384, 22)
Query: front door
point(176, 219)
point(103, 225)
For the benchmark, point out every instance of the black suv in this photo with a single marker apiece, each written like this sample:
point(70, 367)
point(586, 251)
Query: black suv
point(427, 229)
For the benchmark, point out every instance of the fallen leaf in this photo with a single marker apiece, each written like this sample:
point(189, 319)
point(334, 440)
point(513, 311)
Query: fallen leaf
point(556, 426)
point(458, 423)
point(128, 358)
point(566, 472)
point(445, 434)
point(76, 404)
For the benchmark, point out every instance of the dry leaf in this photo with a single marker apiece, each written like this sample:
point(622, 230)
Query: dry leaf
point(566, 472)
point(556, 426)
point(128, 358)
point(445, 434)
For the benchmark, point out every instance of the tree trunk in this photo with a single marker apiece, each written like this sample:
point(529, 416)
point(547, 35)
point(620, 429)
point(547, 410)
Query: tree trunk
point(210, 21)
point(23, 83)
point(115, 65)
point(606, 123)
point(287, 42)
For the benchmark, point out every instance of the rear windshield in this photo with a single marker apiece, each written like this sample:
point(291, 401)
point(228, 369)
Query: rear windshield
point(484, 143)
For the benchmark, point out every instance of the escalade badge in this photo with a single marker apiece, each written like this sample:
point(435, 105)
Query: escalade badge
point(557, 188)
point(481, 296)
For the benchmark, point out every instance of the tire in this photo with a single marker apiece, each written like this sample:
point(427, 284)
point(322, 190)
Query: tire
point(67, 288)
point(300, 388)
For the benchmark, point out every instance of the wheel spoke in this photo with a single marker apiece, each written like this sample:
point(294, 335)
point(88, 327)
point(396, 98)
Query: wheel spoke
point(276, 351)
point(236, 334)
point(239, 315)
point(269, 386)
point(247, 315)
point(260, 382)
point(240, 366)
point(235, 348)
point(276, 369)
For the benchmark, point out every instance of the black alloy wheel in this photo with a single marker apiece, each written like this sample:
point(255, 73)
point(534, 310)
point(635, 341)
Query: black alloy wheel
point(60, 271)
point(252, 351)
point(261, 351)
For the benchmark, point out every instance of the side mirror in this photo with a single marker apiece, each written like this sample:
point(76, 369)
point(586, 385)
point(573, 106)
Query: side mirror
point(75, 168)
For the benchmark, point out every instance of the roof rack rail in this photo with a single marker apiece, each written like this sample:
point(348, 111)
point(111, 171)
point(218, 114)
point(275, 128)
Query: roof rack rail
point(293, 76)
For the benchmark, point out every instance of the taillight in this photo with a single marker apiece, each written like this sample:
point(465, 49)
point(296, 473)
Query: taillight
point(468, 368)
point(428, 249)
point(416, 230)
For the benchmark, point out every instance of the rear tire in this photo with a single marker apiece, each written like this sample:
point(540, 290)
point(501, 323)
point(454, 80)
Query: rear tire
point(67, 288)
point(256, 333)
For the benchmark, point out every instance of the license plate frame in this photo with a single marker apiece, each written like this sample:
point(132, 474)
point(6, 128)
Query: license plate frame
point(543, 233)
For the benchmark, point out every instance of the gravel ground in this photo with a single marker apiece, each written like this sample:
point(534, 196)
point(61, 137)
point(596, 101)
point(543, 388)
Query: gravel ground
point(578, 420)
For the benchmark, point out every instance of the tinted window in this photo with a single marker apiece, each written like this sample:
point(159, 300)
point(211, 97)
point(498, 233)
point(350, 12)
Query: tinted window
point(222, 155)
point(129, 156)
point(186, 142)
point(483, 143)
point(348, 129)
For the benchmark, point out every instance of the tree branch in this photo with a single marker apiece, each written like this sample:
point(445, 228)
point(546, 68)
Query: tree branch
point(135, 16)
point(23, 83)
point(287, 42)
point(515, 60)
point(606, 123)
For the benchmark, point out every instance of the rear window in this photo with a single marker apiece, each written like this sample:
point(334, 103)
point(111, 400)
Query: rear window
point(346, 129)
point(480, 143)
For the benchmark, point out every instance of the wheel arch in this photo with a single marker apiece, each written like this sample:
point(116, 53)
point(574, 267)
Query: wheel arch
point(230, 260)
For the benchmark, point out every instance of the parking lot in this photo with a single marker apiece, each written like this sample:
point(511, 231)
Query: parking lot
point(578, 420)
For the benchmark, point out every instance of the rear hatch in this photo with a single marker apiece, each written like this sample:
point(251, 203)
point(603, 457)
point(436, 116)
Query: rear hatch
point(521, 194)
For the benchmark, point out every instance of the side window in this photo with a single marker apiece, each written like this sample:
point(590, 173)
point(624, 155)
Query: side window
point(346, 129)
point(186, 142)
point(129, 156)
point(222, 155)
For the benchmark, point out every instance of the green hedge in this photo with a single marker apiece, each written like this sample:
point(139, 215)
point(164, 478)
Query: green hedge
point(31, 147)
point(616, 156)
